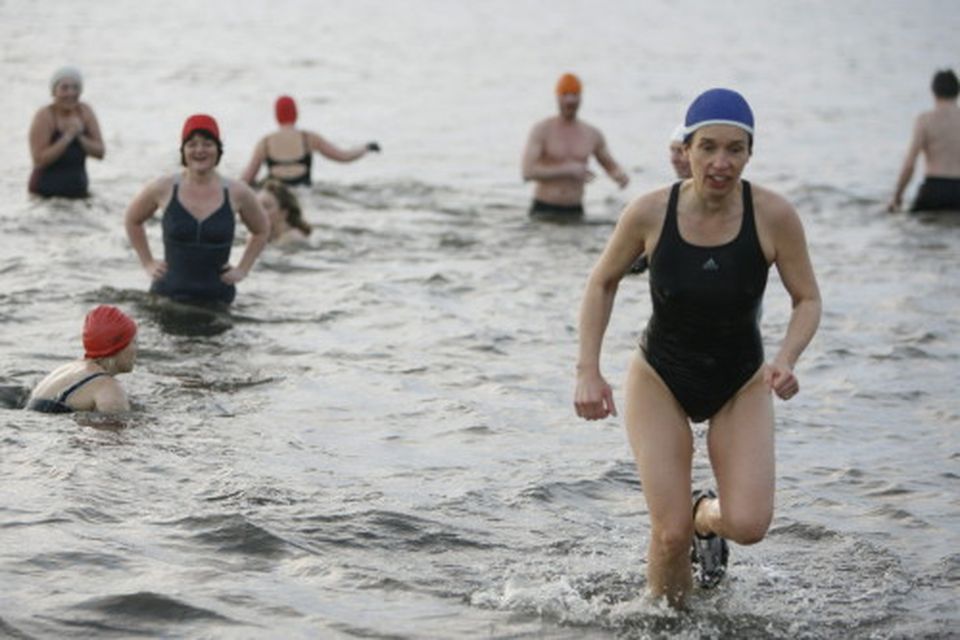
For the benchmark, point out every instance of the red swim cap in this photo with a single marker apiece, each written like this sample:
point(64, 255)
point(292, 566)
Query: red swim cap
point(106, 331)
point(200, 122)
point(286, 110)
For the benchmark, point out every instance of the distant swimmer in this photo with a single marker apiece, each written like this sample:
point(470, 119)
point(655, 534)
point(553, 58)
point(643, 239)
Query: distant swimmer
point(678, 155)
point(936, 134)
point(288, 152)
point(287, 225)
point(557, 154)
point(681, 166)
point(88, 384)
point(712, 239)
point(62, 135)
point(199, 209)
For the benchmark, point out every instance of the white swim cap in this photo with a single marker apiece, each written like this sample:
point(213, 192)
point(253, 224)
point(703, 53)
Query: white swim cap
point(678, 133)
point(66, 73)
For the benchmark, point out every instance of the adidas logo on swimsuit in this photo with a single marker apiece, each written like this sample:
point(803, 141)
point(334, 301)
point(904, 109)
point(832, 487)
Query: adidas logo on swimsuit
point(711, 265)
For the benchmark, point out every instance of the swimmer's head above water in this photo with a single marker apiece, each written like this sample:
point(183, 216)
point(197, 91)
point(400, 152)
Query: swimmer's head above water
point(108, 331)
point(718, 106)
point(202, 125)
point(66, 73)
point(286, 110)
point(568, 95)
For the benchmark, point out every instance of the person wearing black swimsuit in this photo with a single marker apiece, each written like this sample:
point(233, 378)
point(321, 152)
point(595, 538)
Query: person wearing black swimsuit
point(62, 135)
point(288, 152)
point(199, 208)
point(711, 240)
point(88, 384)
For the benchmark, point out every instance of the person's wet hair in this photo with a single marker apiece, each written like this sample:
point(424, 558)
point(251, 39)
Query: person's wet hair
point(203, 133)
point(288, 203)
point(945, 84)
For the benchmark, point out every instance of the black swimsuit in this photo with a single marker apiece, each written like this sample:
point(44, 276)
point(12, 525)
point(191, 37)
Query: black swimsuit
point(196, 252)
point(938, 194)
point(306, 161)
point(703, 338)
point(59, 404)
point(65, 177)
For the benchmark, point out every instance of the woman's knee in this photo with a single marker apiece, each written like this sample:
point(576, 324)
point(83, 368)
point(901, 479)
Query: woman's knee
point(746, 528)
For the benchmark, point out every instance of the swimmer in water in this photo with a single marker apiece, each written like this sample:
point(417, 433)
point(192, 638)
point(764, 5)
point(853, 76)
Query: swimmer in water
point(936, 135)
point(711, 240)
point(557, 154)
point(283, 209)
point(681, 165)
point(678, 156)
point(88, 384)
point(62, 135)
point(288, 152)
point(199, 211)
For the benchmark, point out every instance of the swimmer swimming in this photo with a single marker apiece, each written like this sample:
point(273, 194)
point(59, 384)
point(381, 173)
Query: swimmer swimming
point(88, 384)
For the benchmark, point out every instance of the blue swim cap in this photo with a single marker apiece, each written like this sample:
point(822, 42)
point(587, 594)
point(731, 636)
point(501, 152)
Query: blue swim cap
point(718, 106)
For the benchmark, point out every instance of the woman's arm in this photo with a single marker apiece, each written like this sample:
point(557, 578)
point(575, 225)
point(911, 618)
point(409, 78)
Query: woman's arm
point(594, 397)
point(331, 151)
point(259, 156)
point(796, 272)
point(257, 223)
point(90, 138)
point(42, 151)
point(142, 208)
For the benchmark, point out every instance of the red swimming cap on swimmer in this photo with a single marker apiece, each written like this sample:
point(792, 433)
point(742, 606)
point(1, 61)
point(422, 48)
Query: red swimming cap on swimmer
point(106, 331)
point(286, 110)
point(569, 83)
point(198, 122)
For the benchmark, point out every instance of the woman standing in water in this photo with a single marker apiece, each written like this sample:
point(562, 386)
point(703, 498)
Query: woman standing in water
point(199, 207)
point(288, 152)
point(62, 135)
point(711, 240)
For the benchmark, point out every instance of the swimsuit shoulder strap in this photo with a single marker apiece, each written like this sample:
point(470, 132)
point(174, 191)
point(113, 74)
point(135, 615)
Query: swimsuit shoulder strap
point(670, 220)
point(76, 385)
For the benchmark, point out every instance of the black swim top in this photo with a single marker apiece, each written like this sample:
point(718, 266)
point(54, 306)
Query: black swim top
point(59, 404)
point(65, 177)
point(196, 252)
point(306, 161)
point(703, 338)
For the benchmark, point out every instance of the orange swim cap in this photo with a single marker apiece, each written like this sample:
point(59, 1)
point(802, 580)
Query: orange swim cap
point(286, 110)
point(569, 83)
point(106, 331)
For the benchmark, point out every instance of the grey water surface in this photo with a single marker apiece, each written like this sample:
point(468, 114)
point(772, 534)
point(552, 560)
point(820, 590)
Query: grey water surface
point(377, 440)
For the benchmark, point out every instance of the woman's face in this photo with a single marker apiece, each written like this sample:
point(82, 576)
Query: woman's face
point(200, 153)
point(718, 154)
point(66, 92)
point(270, 206)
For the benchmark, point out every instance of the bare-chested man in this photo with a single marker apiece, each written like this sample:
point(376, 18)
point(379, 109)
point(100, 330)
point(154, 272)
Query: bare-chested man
point(557, 153)
point(936, 134)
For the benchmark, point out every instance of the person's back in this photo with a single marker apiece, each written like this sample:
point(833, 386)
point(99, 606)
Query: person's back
point(936, 135)
point(941, 140)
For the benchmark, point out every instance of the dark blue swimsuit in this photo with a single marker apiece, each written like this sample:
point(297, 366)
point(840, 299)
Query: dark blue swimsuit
point(59, 404)
point(703, 338)
point(196, 252)
point(65, 177)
